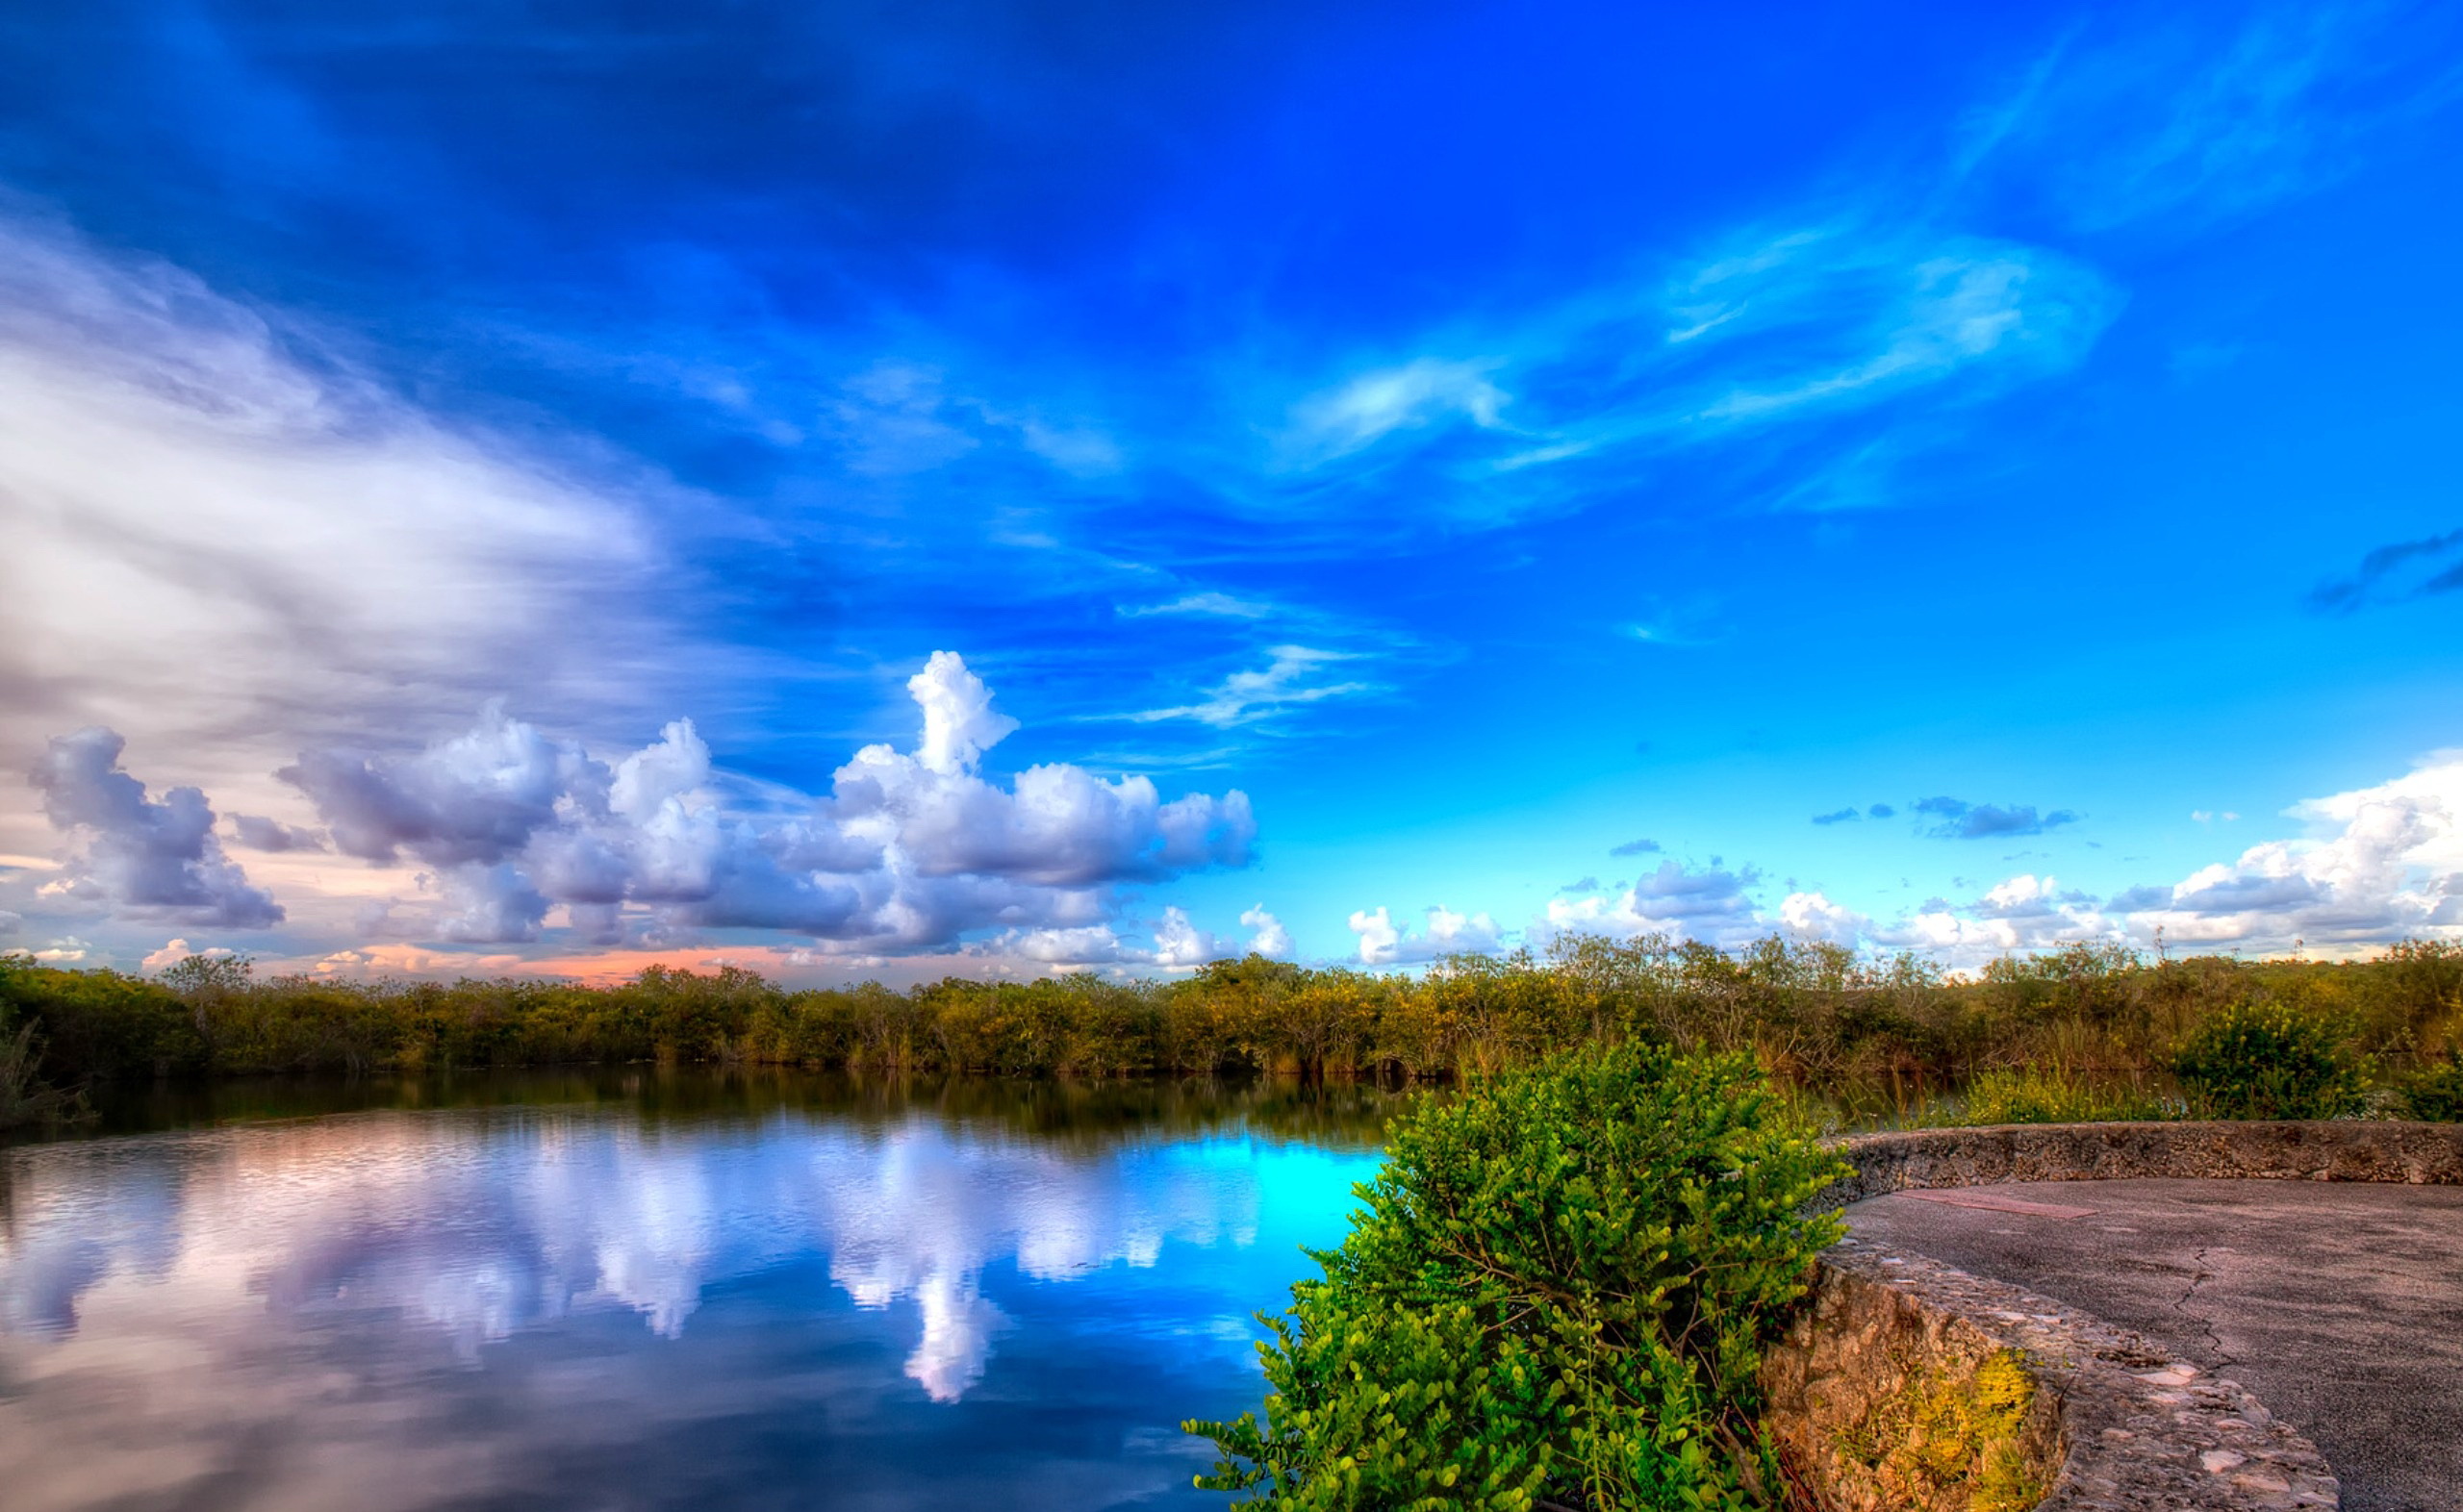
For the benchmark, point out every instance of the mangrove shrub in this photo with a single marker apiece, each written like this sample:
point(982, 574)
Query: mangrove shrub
point(2269, 1061)
point(1558, 1295)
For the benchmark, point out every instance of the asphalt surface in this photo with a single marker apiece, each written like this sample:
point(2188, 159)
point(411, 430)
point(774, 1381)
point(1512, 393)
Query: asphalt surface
point(2340, 1304)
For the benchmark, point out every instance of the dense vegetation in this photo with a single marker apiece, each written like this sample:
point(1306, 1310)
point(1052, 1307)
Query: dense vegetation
point(1557, 1297)
point(2081, 1029)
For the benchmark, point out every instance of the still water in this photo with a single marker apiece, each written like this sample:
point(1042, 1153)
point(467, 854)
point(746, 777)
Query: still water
point(640, 1291)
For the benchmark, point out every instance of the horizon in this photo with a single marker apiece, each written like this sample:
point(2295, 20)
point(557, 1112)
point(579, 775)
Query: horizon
point(1003, 491)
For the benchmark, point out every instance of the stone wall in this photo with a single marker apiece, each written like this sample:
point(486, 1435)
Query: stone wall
point(1856, 1394)
point(2115, 1423)
point(2344, 1151)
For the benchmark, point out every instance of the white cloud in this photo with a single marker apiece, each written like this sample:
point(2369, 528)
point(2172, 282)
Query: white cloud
point(2384, 863)
point(260, 833)
point(1181, 944)
point(1087, 944)
point(144, 858)
point(283, 545)
point(1384, 943)
point(1814, 917)
point(2023, 914)
point(909, 1210)
point(910, 850)
point(1246, 698)
point(1412, 397)
point(491, 905)
point(1710, 904)
point(1270, 939)
point(959, 723)
point(174, 952)
point(2387, 864)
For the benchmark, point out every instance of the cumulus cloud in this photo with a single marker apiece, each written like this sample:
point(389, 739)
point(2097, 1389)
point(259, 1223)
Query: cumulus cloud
point(909, 850)
point(1813, 917)
point(491, 905)
point(1838, 816)
point(1710, 903)
point(1384, 943)
point(176, 951)
point(2387, 863)
point(2023, 914)
point(1635, 847)
point(144, 858)
point(959, 723)
point(1270, 940)
point(1956, 818)
point(259, 833)
point(1179, 942)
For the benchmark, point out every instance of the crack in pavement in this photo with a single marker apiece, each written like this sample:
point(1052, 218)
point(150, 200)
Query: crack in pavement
point(2206, 1324)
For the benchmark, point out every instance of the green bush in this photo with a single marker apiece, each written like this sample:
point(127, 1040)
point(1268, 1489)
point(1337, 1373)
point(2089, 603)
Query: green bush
point(2042, 1096)
point(2435, 1092)
point(1559, 1293)
point(2265, 1061)
point(101, 1024)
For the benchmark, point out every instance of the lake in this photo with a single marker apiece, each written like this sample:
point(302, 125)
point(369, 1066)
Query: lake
point(637, 1289)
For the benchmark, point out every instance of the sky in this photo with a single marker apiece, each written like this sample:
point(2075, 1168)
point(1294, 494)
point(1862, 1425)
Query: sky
point(865, 491)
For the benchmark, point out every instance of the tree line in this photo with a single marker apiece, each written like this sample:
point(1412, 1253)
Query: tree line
point(1814, 1015)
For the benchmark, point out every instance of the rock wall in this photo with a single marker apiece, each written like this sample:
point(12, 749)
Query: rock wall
point(2114, 1423)
point(2344, 1151)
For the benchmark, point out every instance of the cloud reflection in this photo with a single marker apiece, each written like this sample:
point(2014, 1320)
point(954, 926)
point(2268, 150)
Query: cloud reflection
point(477, 1225)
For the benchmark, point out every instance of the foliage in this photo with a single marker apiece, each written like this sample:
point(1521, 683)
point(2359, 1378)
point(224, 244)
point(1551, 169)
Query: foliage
point(1558, 1293)
point(2270, 1061)
point(2435, 1092)
point(2038, 1095)
point(23, 1099)
point(1951, 1441)
point(102, 1023)
point(1873, 1040)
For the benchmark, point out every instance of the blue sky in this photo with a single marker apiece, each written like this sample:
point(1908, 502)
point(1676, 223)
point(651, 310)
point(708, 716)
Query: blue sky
point(1480, 438)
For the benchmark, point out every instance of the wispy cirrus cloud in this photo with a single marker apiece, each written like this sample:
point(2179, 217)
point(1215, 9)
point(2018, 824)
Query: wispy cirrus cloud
point(1294, 677)
point(1838, 316)
point(1413, 396)
point(185, 459)
point(2174, 126)
point(1219, 605)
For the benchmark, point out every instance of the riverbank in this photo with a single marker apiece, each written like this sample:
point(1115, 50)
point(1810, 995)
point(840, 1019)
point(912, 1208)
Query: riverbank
point(2086, 1031)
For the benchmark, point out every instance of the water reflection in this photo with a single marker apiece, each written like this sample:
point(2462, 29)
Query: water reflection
point(678, 1292)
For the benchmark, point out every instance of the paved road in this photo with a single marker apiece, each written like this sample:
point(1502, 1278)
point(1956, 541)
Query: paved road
point(2340, 1304)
